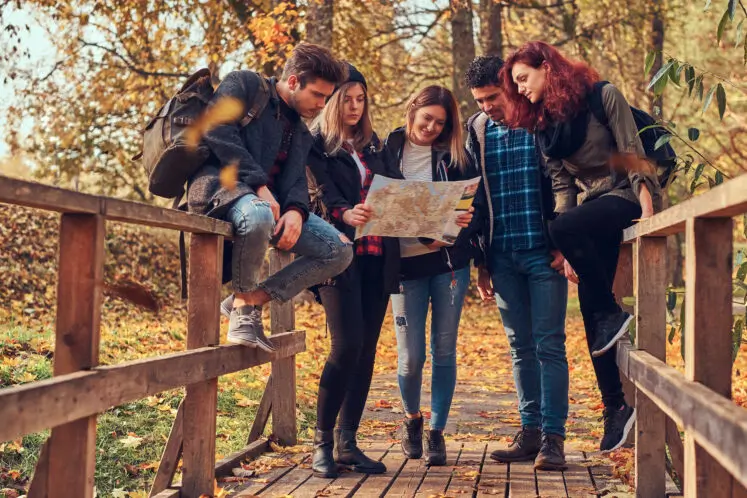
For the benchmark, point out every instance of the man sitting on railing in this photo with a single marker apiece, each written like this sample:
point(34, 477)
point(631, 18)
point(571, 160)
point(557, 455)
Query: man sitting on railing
point(269, 202)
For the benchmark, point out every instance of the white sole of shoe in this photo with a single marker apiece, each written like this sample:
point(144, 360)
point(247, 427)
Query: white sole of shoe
point(626, 430)
point(242, 342)
point(611, 344)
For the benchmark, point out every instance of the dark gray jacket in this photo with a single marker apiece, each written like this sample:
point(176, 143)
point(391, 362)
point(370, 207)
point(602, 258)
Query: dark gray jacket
point(255, 147)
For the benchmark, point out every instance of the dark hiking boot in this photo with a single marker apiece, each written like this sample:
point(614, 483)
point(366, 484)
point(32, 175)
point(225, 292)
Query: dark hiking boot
point(226, 306)
point(608, 329)
point(347, 453)
point(524, 447)
point(435, 448)
point(412, 437)
point(552, 453)
point(617, 425)
point(245, 328)
point(322, 461)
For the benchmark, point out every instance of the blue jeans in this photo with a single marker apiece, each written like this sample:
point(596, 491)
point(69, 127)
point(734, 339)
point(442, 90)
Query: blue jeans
point(322, 252)
point(410, 309)
point(532, 299)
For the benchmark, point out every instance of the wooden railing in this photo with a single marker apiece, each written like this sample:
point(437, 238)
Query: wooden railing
point(713, 461)
point(69, 402)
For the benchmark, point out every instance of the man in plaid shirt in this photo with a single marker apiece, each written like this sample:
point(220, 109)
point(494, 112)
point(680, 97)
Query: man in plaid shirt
point(520, 270)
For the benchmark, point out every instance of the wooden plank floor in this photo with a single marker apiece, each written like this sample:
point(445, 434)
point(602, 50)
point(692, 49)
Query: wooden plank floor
point(481, 421)
point(469, 473)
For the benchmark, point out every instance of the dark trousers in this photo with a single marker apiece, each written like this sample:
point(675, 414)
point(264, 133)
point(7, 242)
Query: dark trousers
point(589, 237)
point(355, 313)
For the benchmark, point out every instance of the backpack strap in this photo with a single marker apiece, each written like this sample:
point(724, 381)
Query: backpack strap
point(596, 104)
point(261, 98)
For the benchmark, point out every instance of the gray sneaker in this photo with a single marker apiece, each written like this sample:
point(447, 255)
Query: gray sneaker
point(245, 328)
point(243, 325)
point(226, 306)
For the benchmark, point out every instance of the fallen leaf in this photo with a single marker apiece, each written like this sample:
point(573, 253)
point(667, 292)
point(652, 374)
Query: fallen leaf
point(131, 441)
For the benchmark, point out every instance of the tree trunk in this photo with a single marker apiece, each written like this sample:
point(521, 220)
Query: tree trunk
point(491, 27)
point(657, 43)
point(462, 51)
point(319, 22)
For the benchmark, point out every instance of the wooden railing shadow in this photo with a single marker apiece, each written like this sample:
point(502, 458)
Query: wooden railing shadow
point(712, 462)
point(69, 402)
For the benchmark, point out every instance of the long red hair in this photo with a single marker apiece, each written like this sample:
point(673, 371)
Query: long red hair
point(566, 86)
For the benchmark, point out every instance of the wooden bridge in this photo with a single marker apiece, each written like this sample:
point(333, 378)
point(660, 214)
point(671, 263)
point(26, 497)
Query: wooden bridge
point(712, 461)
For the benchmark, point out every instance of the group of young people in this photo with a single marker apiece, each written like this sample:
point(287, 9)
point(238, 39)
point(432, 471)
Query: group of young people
point(549, 209)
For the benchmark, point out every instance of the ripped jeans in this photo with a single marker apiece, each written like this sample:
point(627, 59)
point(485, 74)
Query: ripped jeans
point(410, 309)
point(321, 253)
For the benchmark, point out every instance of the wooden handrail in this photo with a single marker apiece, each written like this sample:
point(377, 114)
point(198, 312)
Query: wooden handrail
point(40, 196)
point(715, 447)
point(716, 422)
point(724, 201)
point(48, 403)
point(70, 401)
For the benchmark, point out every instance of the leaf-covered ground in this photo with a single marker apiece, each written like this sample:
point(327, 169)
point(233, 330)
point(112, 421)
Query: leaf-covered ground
point(132, 436)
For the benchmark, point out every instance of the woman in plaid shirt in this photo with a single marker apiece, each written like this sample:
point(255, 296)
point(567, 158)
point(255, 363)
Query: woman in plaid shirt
point(344, 158)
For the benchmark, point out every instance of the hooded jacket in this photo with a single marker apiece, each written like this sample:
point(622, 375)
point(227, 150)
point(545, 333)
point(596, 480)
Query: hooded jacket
point(466, 247)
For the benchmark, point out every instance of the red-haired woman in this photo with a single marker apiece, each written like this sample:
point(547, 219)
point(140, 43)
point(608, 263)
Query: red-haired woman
point(550, 94)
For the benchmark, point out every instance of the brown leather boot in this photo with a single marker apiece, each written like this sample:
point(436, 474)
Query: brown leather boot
point(525, 446)
point(551, 455)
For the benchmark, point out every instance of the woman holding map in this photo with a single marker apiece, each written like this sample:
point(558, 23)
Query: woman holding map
point(431, 148)
point(344, 158)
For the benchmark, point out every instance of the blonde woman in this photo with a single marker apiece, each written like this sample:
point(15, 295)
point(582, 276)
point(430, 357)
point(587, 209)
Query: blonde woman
point(345, 156)
point(431, 148)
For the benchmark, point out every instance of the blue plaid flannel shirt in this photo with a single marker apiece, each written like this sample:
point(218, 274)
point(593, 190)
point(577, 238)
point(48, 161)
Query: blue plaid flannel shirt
point(512, 168)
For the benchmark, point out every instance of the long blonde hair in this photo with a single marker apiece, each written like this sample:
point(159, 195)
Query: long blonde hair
point(450, 137)
point(331, 126)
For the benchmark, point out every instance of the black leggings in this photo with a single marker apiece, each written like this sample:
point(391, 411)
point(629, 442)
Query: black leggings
point(355, 313)
point(589, 237)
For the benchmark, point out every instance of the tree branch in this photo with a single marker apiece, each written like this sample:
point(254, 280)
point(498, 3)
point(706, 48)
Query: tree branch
point(130, 65)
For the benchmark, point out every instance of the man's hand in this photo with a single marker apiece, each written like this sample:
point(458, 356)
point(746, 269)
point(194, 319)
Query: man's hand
point(485, 285)
point(290, 224)
point(264, 193)
point(558, 261)
point(569, 272)
point(464, 219)
point(359, 215)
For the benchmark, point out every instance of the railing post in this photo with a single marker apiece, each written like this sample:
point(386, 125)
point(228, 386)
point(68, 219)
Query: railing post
point(72, 446)
point(708, 323)
point(203, 329)
point(623, 287)
point(650, 310)
point(282, 319)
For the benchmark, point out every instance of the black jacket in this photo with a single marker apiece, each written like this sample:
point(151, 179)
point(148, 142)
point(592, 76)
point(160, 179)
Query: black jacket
point(339, 182)
point(466, 247)
point(255, 147)
point(475, 147)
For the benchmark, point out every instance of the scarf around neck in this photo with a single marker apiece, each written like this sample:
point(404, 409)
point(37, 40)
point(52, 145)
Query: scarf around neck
point(560, 140)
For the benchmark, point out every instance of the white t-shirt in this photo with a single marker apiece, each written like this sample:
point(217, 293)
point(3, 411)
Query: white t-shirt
point(416, 165)
point(357, 159)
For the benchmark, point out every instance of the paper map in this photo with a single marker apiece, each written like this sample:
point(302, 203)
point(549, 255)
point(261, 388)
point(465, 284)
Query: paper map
point(410, 208)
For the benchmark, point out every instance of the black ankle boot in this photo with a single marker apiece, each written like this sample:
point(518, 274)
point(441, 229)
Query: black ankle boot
point(348, 453)
point(323, 462)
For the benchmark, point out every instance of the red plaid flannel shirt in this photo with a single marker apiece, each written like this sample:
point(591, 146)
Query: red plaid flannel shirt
point(365, 246)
